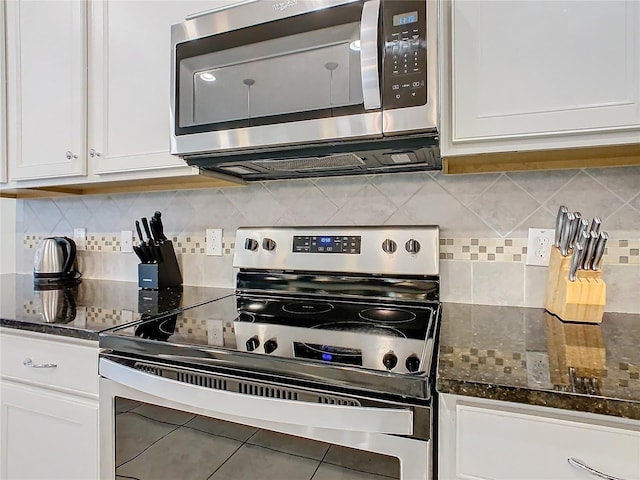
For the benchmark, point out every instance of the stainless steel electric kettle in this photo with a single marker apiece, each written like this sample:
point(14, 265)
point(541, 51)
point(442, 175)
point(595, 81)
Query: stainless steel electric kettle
point(55, 260)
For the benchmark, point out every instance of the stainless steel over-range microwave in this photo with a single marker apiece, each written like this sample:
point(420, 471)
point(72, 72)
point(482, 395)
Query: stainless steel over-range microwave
point(289, 88)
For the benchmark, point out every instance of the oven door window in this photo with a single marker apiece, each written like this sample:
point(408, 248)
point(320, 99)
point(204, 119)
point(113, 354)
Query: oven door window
point(298, 68)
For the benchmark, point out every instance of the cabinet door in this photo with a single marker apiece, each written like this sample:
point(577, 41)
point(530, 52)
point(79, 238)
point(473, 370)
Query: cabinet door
point(130, 56)
point(46, 435)
point(531, 68)
point(3, 108)
point(46, 68)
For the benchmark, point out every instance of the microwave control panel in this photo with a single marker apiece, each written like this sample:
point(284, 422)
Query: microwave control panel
point(404, 26)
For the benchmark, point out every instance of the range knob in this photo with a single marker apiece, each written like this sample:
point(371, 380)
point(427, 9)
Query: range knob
point(389, 246)
point(270, 345)
point(252, 343)
point(251, 244)
point(389, 360)
point(269, 244)
point(412, 363)
point(412, 246)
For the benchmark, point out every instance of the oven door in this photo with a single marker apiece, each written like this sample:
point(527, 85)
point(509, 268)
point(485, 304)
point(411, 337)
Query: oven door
point(337, 420)
point(242, 72)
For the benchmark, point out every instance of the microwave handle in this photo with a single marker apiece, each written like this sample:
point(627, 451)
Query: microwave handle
point(369, 65)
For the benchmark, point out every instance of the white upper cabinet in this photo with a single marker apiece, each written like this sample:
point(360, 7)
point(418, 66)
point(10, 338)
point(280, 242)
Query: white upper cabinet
point(88, 89)
point(523, 75)
point(129, 73)
point(46, 88)
point(3, 105)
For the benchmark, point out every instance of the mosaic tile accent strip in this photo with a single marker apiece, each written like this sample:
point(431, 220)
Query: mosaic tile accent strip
point(495, 361)
point(484, 249)
point(618, 252)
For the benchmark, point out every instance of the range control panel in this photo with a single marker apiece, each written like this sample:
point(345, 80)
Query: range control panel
point(327, 244)
point(404, 26)
point(392, 250)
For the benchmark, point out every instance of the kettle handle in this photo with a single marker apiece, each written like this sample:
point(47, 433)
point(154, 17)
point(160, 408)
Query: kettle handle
point(71, 253)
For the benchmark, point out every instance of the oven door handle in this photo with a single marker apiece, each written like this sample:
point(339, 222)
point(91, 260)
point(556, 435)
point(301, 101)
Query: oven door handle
point(369, 65)
point(397, 421)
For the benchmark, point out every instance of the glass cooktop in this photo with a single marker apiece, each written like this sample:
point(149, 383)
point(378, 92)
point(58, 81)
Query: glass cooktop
point(380, 336)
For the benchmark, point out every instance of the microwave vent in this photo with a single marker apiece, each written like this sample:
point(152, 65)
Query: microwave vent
point(348, 160)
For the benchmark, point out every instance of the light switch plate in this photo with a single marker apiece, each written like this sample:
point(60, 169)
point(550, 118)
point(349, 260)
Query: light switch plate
point(126, 241)
point(80, 238)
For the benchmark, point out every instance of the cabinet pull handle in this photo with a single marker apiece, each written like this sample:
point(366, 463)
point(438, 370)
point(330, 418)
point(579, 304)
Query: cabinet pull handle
point(574, 462)
point(93, 153)
point(70, 155)
point(29, 363)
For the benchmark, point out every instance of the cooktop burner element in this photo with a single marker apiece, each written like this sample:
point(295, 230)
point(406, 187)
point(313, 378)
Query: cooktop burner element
point(363, 321)
point(307, 308)
point(387, 315)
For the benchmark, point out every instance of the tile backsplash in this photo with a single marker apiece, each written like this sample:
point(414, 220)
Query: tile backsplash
point(484, 221)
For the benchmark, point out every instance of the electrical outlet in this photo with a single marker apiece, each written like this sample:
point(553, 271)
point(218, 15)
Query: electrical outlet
point(80, 238)
point(539, 246)
point(213, 240)
point(126, 241)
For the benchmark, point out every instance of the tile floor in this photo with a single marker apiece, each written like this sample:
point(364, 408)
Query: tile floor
point(155, 443)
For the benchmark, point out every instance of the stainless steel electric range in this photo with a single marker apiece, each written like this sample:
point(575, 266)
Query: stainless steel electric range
point(330, 335)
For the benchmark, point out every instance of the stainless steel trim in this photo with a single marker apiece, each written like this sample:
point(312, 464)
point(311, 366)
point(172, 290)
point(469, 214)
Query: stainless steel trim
point(218, 9)
point(369, 67)
point(243, 15)
point(366, 125)
point(379, 417)
point(574, 462)
point(29, 364)
point(277, 369)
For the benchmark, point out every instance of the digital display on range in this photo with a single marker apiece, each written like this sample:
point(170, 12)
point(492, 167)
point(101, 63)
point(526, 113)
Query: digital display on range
point(328, 353)
point(405, 18)
point(327, 244)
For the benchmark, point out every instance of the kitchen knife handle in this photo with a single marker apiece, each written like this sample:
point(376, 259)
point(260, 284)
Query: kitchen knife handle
point(158, 216)
point(575, 262)
point(587, 260)
point(140, 237)
point(583, 227)
point(564, 238)
point(575, 226)
point(562, 212)
point(583, 239)
point(154, 230)
point(145, 224)
point(595, 225)
point(599, 250)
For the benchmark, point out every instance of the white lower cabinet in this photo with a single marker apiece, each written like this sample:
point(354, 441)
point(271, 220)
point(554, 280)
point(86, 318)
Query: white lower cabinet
point(486, 439)
point(48, 407)
point(47, 435)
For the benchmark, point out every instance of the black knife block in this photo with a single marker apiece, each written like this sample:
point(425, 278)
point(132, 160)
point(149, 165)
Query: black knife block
point(163, 274)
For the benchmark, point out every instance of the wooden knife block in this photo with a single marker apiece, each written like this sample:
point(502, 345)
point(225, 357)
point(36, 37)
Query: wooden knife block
point(579, 301)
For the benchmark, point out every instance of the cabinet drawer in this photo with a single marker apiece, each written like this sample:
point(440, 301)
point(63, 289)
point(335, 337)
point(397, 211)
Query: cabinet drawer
point(76, 364)
point(504, 445)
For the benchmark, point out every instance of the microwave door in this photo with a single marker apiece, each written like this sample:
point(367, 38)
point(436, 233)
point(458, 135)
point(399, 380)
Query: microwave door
point(369, 58)
point(288, 85)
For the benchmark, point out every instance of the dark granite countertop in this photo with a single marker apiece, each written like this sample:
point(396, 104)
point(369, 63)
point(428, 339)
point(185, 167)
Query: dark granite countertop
point(526, 355)
point(92, 306)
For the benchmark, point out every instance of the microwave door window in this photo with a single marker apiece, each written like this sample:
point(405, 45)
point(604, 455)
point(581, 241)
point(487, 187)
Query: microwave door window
point(316, 71)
